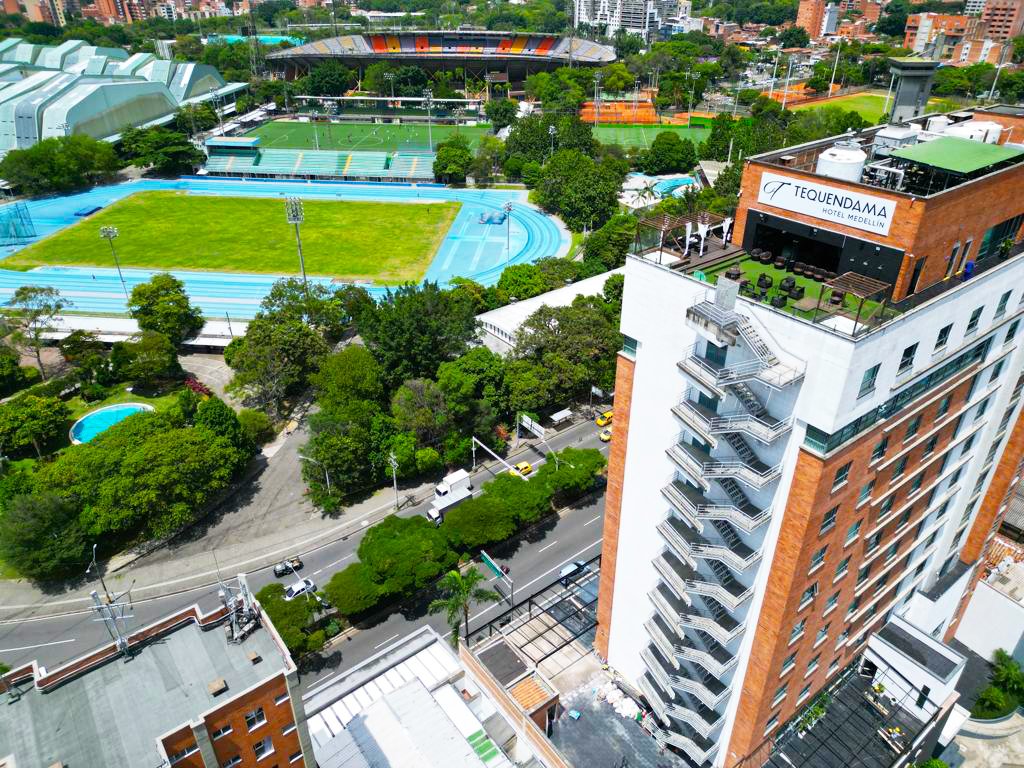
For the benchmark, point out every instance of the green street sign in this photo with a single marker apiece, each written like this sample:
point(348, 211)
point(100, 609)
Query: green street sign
point(491, 565)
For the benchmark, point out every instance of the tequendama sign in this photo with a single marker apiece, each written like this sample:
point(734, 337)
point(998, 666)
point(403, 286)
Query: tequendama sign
point(872, 214)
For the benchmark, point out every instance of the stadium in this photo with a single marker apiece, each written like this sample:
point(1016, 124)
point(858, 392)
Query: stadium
point(503, 56)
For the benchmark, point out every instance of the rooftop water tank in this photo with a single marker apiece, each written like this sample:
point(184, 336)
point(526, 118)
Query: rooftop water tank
point(893, 137)
point(939, 123)
point(976, 130)
point(845, 160)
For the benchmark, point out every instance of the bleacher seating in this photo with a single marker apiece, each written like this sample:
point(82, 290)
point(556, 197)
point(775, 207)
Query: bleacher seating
point(296, 163)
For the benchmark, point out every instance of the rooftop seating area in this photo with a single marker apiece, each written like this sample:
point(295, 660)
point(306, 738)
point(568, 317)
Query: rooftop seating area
point(293, 163)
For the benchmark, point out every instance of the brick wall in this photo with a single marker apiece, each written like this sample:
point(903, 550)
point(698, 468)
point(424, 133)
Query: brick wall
point(613, 500)
point(241, 740)
point(182, 739)
point(1006, 470)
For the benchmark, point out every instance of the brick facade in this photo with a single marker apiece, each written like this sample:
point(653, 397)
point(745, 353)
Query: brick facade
point(856, 531)
point(1006, 470)
point(613, 499)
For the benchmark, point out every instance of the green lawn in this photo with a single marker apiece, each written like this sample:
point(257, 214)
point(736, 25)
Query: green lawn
point(643, 135)
point(291, 134)
point(870, 104)
point(383, 242)
point(80, 407)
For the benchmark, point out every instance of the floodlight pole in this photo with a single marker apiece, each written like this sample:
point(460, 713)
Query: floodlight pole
point(294, 215)
point(835, 67)
point(552, 131)
point(507, 207)
point(427, 96)
point(108, 234)
point(597, 97)
point(393, 463)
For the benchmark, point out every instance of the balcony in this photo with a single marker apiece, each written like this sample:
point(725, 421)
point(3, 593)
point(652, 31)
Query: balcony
point(709, 546)
point(682, 579)
point(702, 719)
point(677, 613)
point(764, 367)
point(679, 734)
point(710, 692)
point(694, 647)
point(698, 462)
point(691, 503)
point(709, 422)
point(698, 749)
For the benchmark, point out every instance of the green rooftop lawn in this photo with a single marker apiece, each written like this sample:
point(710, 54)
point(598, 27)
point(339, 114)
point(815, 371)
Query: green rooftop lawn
point(383, 242)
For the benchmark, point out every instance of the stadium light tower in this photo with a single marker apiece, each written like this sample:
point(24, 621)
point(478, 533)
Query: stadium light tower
point(390, 77)
point(552, 132)
point(108, 234)
point(428, 96)
point(597, 96)
point(507, 207)
point(294, 215)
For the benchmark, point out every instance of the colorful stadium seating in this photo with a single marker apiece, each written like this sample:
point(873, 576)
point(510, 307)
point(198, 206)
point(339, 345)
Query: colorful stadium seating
point(295, 163)
point(379, 46)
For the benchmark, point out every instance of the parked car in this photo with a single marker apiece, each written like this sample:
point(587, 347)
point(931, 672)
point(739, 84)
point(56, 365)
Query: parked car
point(571, 571)
point(290, 565)
point(299, 588)
point(604, 419)
point(523, 468)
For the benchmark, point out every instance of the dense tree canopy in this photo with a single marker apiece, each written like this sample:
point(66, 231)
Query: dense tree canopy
point(60, 165)
point(165, 152)
point(161, 304)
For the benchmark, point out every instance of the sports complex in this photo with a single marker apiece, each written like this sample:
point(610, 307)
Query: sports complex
point(228, 240)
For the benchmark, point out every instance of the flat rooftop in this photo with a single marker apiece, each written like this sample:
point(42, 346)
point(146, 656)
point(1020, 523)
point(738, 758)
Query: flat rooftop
point(113, 715)
point(952, 153)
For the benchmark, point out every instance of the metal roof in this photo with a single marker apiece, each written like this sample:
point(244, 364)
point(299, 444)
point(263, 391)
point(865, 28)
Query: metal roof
point(956, 154)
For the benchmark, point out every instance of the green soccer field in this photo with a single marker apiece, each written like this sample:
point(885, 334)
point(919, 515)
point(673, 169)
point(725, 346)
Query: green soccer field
point(383, 242)
point(367, 137)
point(871, 106)
point(643, 135)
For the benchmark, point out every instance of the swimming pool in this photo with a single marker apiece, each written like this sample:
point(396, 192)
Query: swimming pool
point(472, 248)
point(672, 186)
point(92, 424)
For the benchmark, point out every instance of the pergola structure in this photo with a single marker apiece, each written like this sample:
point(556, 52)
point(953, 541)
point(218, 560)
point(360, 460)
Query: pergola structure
point(678, 233)
point(861, 287)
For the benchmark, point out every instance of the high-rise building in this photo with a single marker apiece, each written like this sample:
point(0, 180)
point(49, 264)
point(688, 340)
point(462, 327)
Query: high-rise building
point(830, 19)
point(1005, 18)
point(810, 15)
point(640, 17)
point(974, 7)
point(923, 29)
point(816, 429)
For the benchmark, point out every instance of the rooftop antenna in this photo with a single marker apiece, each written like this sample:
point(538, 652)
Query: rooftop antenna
point(114, 613)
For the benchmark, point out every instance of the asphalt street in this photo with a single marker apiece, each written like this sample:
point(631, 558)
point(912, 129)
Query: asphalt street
point(52, 639)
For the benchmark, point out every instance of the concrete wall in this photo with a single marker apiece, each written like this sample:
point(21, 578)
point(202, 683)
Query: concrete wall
point(992, 621)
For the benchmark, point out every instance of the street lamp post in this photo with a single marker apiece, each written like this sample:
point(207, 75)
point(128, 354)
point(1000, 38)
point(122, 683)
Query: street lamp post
point(93, 564)
point(108, 234)
point(294, 215)
point(507, 207)
point(327, 477)
point(428, 96)
point(552, 132)
point(393, 463)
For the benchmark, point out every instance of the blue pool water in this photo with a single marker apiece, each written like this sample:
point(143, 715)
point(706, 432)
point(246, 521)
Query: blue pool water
point(671, 186)
point(471, 249)
point(265, 39)
point(92, 424)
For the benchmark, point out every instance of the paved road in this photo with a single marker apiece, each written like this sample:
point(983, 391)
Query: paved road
point(56, 631)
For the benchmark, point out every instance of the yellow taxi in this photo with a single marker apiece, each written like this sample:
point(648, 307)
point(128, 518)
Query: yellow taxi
point(523, 468)
point(604, 419)
point(605, 435)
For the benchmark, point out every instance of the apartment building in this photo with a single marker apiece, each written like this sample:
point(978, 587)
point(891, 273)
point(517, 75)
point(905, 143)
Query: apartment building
point(816, 429)
point(924, 28)
point(192, 690)
point(978, 50)
point(1005, 18)
point(810, 15)
point(640, 17)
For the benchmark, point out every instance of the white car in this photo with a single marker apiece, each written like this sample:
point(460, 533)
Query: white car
point(299, 588)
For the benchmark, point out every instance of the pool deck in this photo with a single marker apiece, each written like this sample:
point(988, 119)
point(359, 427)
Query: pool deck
point(134, 408)
point(470, 249)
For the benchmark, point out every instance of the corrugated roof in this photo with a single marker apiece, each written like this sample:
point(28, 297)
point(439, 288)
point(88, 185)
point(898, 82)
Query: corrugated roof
point(956, 154)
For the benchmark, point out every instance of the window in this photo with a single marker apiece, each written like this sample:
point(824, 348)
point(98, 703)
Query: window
point(843, 637)
point(904, 518)
point(880, 584)
point(982, 407)
point(177, 757)
point(886, 507)
point(900, 468)
point(912, 426)
point(780, 694)
point(929, 447)
point(915, 484)
point(255, 719)
point(295, 757)
point(966, 445)
point(943, 337)
point(841, 474)
point(772, 722)
point(822, 634)
point(1003, 301)
point(865, 491)
point(818, 558)
point(873, 542)
point(804, 693)
point(972, 324)
point(907, 359)
point(1011, 331)
point(813, 665)
point(629, 346)
point(787, 664)
point(809, 594)
point(842, 568)
point(833, 667)
point(263, 748)
point(853, 607)
point(852, 533)
point(954, 478)
point(943, 407)
point(288, 729)
point(231, 762)
point(281, 699)
point(867, 383)
point(829, 520)
point(224, 730)
point(996, 370)
point(863, 574)
point(894, 549)
point(880, 449)
point(798, 630)
point(951, 266)
point(833, 601)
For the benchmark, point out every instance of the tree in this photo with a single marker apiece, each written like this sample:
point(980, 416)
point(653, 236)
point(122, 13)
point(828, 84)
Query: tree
point(453, 160)
point(60, 165)
point(405, 554)
point(34, 311)
point(501, 112)
point(256, 426)
point(167, 153)
point(41, 537)
point(346, 376)
point(894, 19)
point(572, 472)
point(329, 78)
point(627, 44)
point(32, 421)
point(523, 281)
point(12, 375)
point(218, 417)
point(326, 310)
point(459, 592)
point(161, 304)
point(148, 358)
point(192, 119)
point(610, 244)
point(796, 37)
point(584, 193)
point(352, 590)
point(668, 154)
point(291, 618)
point(419, 407)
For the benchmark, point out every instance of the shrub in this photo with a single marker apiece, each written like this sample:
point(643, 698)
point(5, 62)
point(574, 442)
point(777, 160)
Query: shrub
point(289, 617)
point(352, 590)
point(256, 426)
point(991, 703)
point(315, 641)
point(428, 461)
point(197, 386)
point(405, 553)
point(480, 521)
point(332, 629)
point(91, 392)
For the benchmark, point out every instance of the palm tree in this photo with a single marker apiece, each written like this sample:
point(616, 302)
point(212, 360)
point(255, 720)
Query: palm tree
point(459, 591)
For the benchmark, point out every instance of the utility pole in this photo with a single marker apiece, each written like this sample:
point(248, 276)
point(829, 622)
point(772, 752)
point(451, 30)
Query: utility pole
point(327, 477)
point(507, 207)
point(294, 215)
point(393, 462)
point(94, 564)
point(1007, 47)
point(888, 94)
point(108, 234)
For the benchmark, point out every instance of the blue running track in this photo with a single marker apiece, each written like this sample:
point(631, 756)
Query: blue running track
point(471, 249)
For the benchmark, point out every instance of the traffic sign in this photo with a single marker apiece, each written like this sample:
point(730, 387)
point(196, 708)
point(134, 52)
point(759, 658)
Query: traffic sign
point(491, 565)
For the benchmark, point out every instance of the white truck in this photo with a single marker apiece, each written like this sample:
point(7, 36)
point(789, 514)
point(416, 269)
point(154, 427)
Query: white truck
point(454, 489)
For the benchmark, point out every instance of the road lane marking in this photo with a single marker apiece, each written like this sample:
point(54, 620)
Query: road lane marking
point(387, 641)
point(548, 546)
point(41, 645)
point(594, 520)
point(336, 562)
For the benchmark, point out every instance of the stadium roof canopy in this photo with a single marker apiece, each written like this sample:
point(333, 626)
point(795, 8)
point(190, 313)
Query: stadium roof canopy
point(500, 50)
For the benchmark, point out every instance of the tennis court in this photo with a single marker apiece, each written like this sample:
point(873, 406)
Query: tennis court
point(643, 135)
point(384, 137)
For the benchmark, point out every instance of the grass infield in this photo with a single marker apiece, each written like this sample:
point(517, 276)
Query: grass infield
point(871, 106)
point(383, 242)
